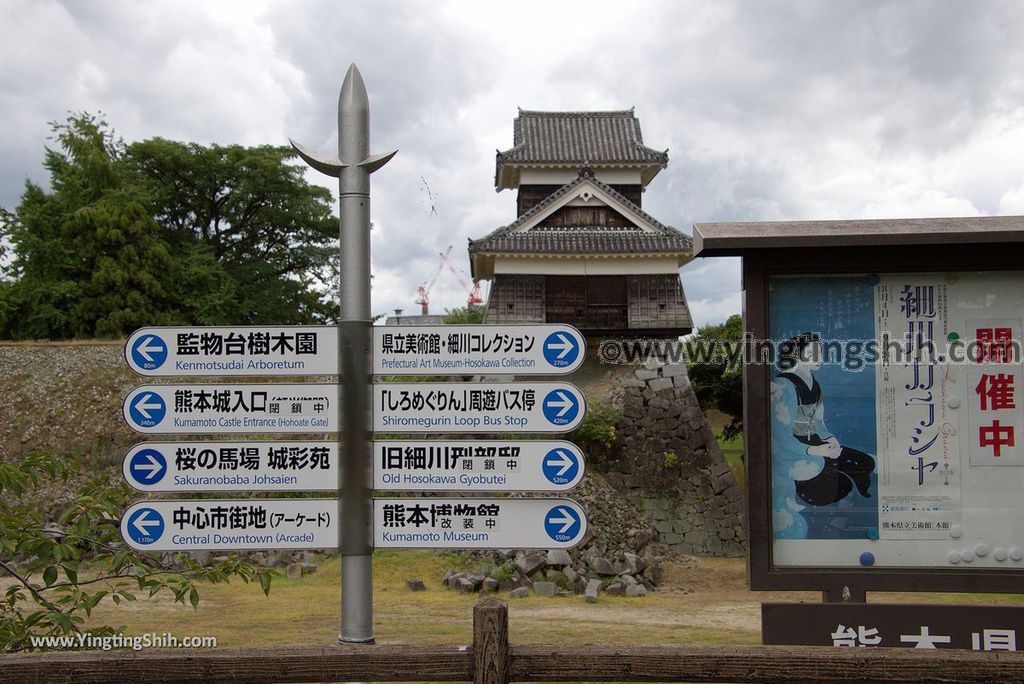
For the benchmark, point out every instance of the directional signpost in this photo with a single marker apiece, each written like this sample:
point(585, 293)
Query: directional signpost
point(441, 407)
point(445, 407)
point(477, 349)
point(235, 525)
point(234, 351)
point(478, 523)
point(476, 466)
point(354, 408)
point(232, 466)
point(262, 351)
point(209, 524)
point(398, 466)
point(232, 409)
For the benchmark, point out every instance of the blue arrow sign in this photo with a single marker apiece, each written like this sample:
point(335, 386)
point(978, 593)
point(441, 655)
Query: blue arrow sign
point(145, 526)
point(147, 409)
point(561, 349)
point(562, 524)
point(560, 407)
point(560, 466)
point(149, 352)
point(148, 466)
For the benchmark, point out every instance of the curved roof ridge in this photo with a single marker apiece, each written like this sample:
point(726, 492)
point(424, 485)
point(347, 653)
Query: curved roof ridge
point(681, 240)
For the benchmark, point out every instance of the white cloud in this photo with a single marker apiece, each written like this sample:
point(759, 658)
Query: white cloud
point(775, 110)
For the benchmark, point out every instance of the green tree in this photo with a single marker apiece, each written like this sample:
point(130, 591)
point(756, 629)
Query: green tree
point(164, 232)
point(270, 231)
point(465, 314)
point(121, 268)
point(86, 259)
point(715, 369)
point(63, 562)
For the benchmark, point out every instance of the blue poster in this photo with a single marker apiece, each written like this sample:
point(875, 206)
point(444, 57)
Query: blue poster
point(823, 421)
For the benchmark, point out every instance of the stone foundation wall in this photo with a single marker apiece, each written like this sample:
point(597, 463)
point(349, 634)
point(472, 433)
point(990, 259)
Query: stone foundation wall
point(667, 463)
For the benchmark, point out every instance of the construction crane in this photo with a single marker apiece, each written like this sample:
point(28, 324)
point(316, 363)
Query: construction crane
point(423, 292)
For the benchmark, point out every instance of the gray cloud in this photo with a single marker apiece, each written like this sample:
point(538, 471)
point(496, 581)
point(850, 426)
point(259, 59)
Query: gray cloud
point(771, 110)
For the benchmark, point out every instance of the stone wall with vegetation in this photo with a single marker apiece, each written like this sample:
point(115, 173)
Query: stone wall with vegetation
point(666, 462)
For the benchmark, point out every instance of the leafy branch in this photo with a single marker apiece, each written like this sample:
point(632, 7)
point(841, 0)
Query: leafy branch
point(65, 565)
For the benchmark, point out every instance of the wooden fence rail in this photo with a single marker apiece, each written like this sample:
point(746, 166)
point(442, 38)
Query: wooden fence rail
point(492, 660)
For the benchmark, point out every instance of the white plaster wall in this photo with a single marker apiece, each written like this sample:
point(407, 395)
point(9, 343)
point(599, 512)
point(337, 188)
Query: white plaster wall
point(632, 265)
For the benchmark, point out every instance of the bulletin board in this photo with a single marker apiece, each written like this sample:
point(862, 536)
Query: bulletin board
point(896, 417)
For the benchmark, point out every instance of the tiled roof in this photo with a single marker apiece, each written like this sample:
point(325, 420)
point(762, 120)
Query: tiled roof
point(583, 239)
point(579, 138)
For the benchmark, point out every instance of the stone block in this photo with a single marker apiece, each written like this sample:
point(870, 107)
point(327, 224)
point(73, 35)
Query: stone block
point(660, 384)
point(521, 592)
point(601, 566)
point(615, 589)
point(559, 558)
point(644, 374)
point(636, 562)
point(415, 585)
point(545, 589)
point(294, 571)
point(673, 370)
point(489, 586)
point(531, 562)
point(590, 593)
point(636, 590)
point(671, 538)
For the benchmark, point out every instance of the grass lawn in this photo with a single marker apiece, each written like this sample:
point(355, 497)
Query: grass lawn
point(703, 602)
point(306, 611)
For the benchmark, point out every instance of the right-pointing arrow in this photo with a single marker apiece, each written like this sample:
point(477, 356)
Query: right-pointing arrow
point(143, 523)
point(567, 520)
point(143, 407)
point(564, 460)
point(154, 466)
point(565, 403)
point(564, 344)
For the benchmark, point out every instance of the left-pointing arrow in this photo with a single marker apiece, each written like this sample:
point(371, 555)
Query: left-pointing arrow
point(145, 349)
point(143, 523)
point(144, 408)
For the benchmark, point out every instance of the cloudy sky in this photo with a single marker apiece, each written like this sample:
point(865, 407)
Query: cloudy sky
point(770, 110)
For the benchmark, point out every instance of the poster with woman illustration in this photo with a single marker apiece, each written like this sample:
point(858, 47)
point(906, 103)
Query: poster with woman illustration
point(824, 480)
point(896, 420)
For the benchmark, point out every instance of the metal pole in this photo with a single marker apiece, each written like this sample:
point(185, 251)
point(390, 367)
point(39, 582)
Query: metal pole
point(353, 167)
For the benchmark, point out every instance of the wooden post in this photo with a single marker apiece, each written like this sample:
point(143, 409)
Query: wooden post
point(491, 657)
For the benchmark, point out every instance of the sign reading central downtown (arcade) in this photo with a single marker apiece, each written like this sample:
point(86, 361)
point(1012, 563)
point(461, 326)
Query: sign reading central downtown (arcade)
point(235, 525)
point(312, 408)
point(313, 350)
